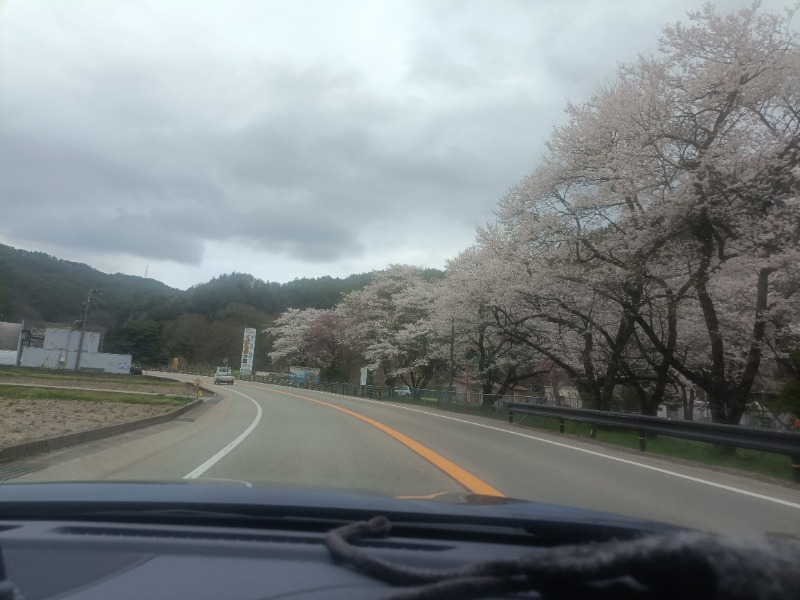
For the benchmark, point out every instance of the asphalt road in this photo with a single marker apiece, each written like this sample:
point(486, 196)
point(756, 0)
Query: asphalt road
point(281, 436)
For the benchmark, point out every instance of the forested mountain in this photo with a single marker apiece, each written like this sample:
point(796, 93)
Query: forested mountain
point(151, 320)
point(38, 287)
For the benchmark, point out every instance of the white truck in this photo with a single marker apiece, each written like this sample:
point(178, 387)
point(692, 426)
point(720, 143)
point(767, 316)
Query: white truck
point(223, 375)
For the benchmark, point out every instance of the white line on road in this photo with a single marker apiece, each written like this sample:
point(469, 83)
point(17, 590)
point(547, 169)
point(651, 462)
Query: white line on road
point(227, 449)
point(587, 451)
point(600, 454)
point(616, 458)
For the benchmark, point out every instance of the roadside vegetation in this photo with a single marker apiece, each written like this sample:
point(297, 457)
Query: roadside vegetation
point(14, 392)
point(35, 406)
point(650, 258)
point(762, 463)
point(150, 320)
point(62, 378)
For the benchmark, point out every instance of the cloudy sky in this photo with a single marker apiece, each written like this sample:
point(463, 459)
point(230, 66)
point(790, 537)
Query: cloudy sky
point(287, 139)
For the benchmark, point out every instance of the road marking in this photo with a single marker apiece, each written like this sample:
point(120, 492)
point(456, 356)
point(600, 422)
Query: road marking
point(468, 480)
point(600, 454)
point(227, 449)
point(626, 461)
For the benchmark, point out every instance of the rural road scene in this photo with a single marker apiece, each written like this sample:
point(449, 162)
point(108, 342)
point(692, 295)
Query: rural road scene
point(258, 434)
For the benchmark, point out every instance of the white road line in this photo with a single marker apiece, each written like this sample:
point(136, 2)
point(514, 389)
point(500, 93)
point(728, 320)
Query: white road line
point(227, 449)
point(600, 454)
point(626, 461)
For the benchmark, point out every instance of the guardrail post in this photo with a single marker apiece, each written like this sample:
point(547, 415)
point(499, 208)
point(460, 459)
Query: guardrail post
point(642, 441)
point(796, 469)
point(561, 426)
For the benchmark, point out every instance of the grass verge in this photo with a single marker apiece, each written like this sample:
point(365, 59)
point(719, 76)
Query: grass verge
point(52, 376)
point(763, 463)
point(753, 461)
point(13, 392)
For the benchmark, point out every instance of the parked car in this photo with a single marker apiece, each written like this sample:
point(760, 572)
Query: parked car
point(403, 391)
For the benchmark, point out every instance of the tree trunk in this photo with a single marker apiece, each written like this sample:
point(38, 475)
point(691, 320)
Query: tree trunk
point(488, 398)
point(590, 395)
point(726, 408)
point(624, 333)
point(687, 396)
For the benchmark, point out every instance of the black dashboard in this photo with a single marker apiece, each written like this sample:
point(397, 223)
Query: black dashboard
point(188, 541)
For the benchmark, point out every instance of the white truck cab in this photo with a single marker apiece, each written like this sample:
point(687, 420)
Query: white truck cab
point(223, 375)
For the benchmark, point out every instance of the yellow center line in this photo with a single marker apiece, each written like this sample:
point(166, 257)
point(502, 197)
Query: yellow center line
point(468, 480)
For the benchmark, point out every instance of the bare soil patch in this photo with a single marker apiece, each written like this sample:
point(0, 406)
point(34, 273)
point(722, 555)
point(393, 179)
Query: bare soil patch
point(26, 419)
point(44, 414)
point(57, 407)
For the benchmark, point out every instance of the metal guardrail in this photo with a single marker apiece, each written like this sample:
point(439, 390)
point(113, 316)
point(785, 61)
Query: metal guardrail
point(786, 443)
point(778, 442)
point(419, 395)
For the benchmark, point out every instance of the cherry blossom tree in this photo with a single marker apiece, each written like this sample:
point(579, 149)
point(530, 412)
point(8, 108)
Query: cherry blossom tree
point(389, 324)
point(660, 234)
point(290, 343)
point(563, 320)
point(730, 135)
point(312, 338)
point(464, 309)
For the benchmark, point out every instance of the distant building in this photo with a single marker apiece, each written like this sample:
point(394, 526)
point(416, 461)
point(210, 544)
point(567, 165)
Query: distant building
point(57, 349)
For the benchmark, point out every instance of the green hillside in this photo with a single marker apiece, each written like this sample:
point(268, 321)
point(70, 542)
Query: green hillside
point(151, 320)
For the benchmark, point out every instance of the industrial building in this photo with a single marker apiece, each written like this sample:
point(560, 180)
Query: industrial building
point(55, 348)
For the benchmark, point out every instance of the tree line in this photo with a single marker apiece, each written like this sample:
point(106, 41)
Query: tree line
point(654, 253)
point(150, 320)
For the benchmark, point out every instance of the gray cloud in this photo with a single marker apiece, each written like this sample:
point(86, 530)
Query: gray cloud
point(312, 136)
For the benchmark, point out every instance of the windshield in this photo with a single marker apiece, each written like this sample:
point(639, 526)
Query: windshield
point(419, 239)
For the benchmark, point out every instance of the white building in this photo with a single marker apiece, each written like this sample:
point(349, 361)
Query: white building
point(60, 351)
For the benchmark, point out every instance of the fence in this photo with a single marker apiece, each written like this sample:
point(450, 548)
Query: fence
point(430, 397)
point(778, 442)
point(421, 396)
point(473, 401)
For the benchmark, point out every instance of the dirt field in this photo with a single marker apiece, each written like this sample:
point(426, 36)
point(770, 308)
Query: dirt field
point(24, 420)
point(28, 419)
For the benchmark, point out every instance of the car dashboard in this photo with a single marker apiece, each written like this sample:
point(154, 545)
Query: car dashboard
point(182, 541)
point(86, 560)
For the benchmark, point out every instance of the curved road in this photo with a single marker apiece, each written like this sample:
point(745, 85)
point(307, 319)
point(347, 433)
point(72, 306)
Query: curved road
point(297, 438)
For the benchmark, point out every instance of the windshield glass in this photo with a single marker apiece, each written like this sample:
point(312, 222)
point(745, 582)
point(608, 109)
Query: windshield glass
point(400, 248)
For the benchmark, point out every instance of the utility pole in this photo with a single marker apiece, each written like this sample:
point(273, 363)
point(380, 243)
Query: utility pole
point(83, 327)
point(19, 343)
point(469, 356)
point(452, 362)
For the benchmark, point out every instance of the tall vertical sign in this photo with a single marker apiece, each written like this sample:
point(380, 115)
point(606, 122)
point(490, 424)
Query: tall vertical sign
point(248, 350)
